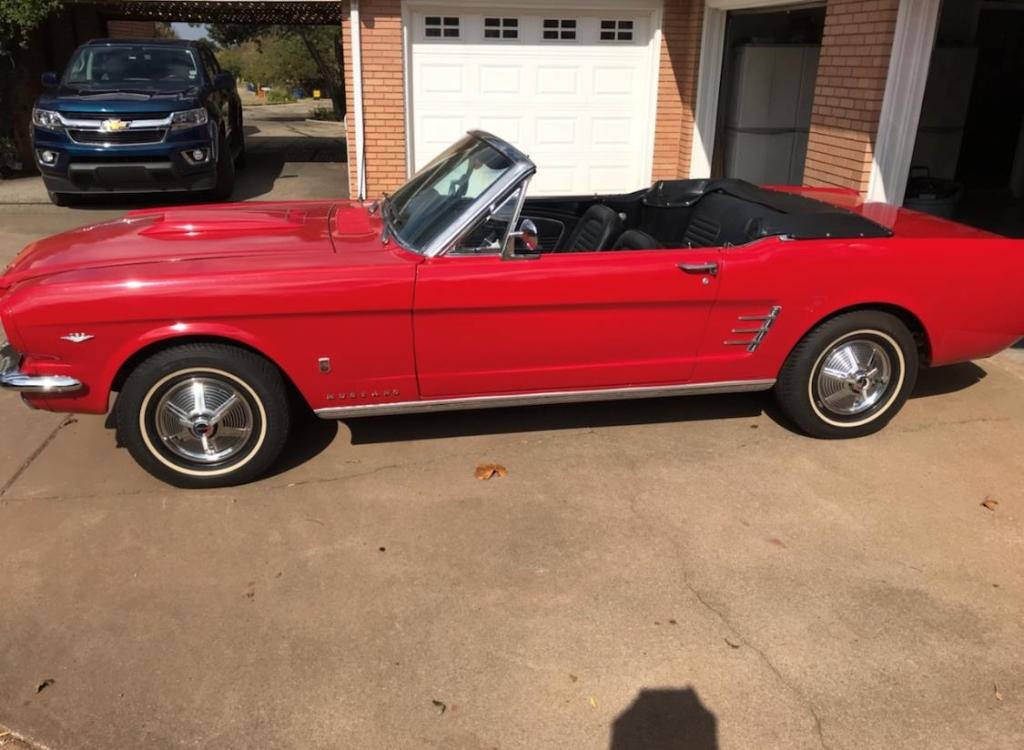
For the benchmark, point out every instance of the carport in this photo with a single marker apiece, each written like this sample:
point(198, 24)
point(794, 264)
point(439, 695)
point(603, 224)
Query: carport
point(290, 156)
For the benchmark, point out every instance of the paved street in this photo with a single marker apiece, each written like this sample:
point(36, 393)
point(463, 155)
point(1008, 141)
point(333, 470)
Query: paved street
point(682, 573)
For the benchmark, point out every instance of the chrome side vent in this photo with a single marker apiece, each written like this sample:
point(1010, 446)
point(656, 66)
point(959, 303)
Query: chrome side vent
point(758, 333)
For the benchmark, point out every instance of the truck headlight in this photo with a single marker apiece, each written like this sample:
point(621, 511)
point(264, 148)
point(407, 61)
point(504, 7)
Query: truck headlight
point(189, 118)
point(47, 119)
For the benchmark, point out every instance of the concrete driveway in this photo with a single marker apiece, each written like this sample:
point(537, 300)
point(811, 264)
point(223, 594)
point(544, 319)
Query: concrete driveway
point(659, 574)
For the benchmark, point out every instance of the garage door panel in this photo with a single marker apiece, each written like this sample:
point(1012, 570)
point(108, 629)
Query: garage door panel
point(579, 105)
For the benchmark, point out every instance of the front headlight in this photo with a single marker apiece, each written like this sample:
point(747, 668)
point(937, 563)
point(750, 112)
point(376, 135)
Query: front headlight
point(47, 119)
point(189, 118)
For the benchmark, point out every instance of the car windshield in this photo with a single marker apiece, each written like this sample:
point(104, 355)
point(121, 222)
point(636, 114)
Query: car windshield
point(125, 65)
point(442, 191)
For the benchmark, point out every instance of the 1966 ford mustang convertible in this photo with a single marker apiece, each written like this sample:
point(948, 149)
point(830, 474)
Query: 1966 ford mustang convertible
point(459, 291)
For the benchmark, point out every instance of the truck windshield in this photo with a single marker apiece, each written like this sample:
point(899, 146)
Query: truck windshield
point(125, 65)
point(442, 191)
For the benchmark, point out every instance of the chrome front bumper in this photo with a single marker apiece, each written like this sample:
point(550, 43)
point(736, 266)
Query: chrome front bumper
point(13, 379)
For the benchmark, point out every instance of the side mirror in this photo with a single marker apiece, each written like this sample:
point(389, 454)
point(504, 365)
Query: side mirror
point(527, 234)
point(50, 79)
point(224, 80)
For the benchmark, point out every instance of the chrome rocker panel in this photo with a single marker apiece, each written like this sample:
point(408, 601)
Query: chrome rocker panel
point(13, 379)
point(555, 397)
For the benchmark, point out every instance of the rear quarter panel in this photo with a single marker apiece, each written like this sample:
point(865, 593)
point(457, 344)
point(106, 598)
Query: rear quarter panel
point(962, 287)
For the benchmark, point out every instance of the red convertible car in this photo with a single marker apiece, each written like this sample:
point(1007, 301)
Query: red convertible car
point(461, 292)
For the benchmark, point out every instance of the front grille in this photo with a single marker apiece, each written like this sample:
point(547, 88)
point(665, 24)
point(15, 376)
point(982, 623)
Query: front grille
point(147, 135)
point(127, 116)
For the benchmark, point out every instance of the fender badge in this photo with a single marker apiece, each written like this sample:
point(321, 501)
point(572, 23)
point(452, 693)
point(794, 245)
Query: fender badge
point(77, 338)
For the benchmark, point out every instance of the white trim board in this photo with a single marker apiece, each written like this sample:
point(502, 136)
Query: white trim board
point(912, 46)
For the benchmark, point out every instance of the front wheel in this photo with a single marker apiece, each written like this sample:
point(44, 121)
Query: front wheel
point(849, 376)
point(225, 184)
point(204, 415)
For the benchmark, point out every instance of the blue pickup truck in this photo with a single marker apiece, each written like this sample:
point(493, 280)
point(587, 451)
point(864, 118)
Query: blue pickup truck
point(138, 116)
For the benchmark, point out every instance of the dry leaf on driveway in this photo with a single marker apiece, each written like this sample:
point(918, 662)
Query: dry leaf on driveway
point(989, 503)
point(999, 695)
point(486, 471)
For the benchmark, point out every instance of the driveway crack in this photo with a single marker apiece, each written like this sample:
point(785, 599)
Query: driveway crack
point(68, 420)
point(733, 630)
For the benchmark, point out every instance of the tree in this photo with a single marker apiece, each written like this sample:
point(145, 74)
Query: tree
point(321, 43)
point(19, 17)
point(164, 30)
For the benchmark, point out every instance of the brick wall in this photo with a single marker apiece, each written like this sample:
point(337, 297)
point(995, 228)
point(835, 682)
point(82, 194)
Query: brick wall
point(383, 95)
point(131, 29)
point(848, 94)
point(677, 87)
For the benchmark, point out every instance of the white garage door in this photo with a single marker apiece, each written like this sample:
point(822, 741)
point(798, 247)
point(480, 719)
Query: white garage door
point(574, 90)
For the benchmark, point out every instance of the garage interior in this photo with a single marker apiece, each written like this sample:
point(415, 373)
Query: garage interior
point(968, 161)
point(769, 67)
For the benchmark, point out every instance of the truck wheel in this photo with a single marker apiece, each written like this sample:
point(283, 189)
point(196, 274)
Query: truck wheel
point(204, 415)
point(849, 376)
point(225, 170)
point(61, 199)
point(240, 159)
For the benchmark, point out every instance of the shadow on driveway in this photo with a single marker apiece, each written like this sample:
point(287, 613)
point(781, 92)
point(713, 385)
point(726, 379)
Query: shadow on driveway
point(665, 719)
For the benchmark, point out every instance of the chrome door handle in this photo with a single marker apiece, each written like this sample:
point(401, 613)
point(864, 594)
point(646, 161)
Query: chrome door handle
point(711, 269)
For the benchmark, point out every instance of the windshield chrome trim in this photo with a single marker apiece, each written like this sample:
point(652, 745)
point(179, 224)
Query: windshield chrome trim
point(491, 208)
point(503, 186)
point(521, 168)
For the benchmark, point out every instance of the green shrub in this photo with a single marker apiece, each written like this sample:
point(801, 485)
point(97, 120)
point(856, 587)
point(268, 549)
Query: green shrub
point(323, 113)
point(278, 97)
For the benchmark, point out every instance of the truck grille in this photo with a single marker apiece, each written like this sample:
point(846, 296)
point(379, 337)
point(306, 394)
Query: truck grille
point(147, 135)
point(128, 116)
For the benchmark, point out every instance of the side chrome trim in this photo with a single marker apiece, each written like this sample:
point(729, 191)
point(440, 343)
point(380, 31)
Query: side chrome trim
point(554, 397)
point(759, 333)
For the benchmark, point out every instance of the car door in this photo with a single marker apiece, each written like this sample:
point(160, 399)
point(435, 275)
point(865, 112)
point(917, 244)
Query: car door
point(561, 321)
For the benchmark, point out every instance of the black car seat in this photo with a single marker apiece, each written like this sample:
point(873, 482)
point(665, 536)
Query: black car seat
point(634, 239)
point(595, 230)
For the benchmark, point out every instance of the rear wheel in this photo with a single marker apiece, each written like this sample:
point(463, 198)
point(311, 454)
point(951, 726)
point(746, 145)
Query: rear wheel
point(849, 376)
point(204, 415)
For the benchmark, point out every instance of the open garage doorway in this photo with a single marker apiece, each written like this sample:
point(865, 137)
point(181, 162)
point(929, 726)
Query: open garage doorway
point(769, 67)
point(968, 161)
point(288, 89)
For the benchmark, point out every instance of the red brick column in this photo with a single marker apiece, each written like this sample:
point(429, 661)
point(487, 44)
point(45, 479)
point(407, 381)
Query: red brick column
point(131, 29)
point(848, 95)
point(383, 95)
point(677, 88)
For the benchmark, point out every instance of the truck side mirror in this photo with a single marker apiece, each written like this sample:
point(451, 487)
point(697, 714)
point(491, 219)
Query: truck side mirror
point(50, 79)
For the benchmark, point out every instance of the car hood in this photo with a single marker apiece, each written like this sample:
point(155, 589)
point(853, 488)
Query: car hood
point(170, 235)
point(99, 99)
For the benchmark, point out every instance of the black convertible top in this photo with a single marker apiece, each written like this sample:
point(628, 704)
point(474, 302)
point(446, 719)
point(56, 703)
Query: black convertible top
point(792, 215)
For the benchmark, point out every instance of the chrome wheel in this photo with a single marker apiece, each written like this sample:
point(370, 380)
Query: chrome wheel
point(854, 377)
point(204, 419)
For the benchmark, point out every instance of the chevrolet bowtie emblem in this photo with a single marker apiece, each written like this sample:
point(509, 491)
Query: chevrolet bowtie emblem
point(77, 338)
point(113, 125)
